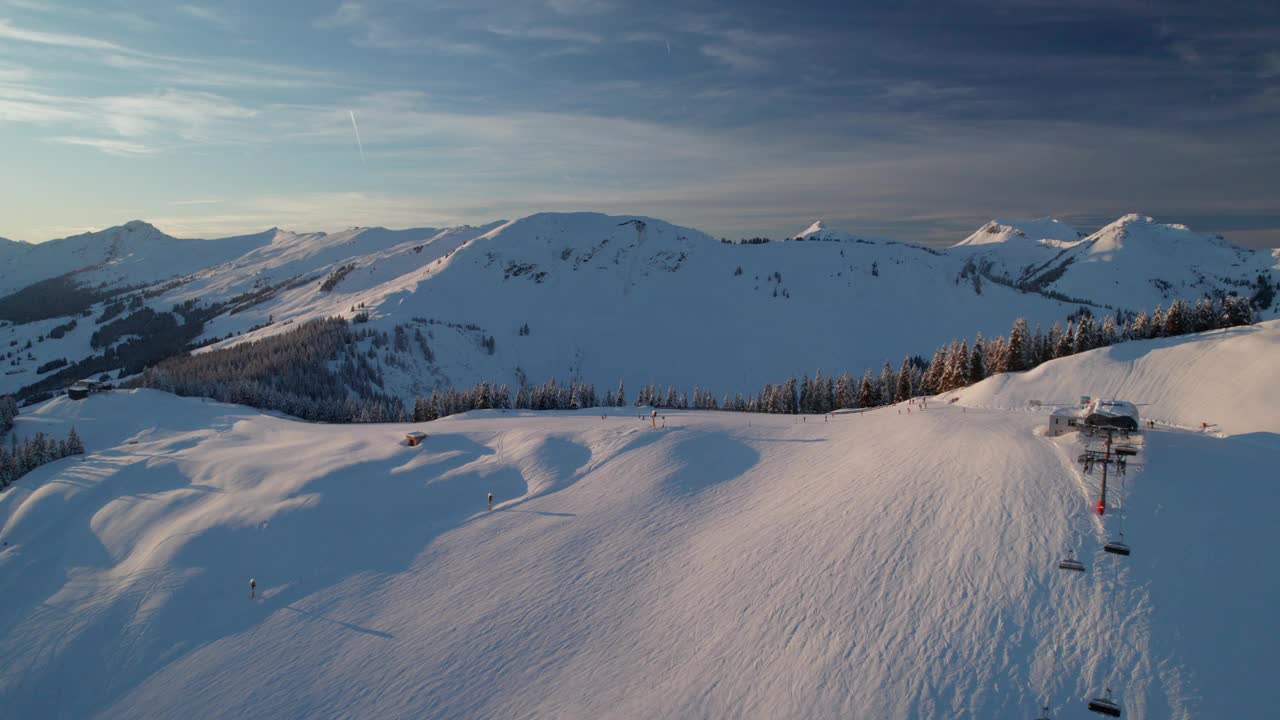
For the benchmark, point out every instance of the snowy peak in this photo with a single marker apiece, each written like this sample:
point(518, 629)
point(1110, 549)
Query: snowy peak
point(1144, 233)
point(1046, 231)
point(819, 230)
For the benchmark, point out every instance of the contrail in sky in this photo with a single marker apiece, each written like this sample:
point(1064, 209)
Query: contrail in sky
point(359, 144)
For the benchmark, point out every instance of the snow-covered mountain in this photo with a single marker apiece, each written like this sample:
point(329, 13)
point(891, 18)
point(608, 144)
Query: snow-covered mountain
point(884, 564)
point(819, 231)
point(1134, 262)
point(599, 298)
point(1138, 262)
point(130, 255)
point(1045, 232)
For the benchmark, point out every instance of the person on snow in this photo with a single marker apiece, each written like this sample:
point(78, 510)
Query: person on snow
point(253, 588)
point(490, 501)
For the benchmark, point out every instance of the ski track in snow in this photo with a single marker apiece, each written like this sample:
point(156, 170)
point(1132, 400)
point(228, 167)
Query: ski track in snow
point(878, 565)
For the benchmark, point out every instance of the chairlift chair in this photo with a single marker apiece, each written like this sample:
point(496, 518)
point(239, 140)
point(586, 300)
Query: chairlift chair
point(1105, 706)
point(1071, 563)
point(1044, 714)
point(1117, 547)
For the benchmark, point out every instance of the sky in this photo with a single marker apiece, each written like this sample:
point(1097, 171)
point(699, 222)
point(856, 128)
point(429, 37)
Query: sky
point(912, 120)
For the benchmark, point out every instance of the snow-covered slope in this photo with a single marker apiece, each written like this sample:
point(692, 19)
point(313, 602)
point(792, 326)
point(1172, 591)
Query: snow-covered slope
point(132, 254)
point(1136, 262)
point(1046, 231)
point(819, 231)
point(1226, 378)
point(604, 298)
point(599, 298)
point(608, 298)
point(885, 564)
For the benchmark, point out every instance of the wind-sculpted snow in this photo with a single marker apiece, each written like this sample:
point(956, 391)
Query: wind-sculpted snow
point(886, 564)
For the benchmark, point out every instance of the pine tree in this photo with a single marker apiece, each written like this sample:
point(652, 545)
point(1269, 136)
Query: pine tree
point(902, 392)
point(1053, 342)
point(933, 375)
point(846, 392)
point(866, 391)
point(621, 396)
point(1019, 337)
point(1206, 315)
point(1084, 335)
point(997, 355)
point(888, 384)
point(791, 404)
point(1236, 311)
point(1156, 328)
point(1177, 320)
point(1140, 328)
point(1107, 336)
point(977, 361)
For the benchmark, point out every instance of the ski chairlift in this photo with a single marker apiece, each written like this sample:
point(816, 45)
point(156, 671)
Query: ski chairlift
point(1071, 563)
point(1117, 547)
point(1105, 706)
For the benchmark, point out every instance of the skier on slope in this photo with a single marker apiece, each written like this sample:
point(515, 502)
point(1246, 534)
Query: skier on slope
point(253, 588)
point(490, 501)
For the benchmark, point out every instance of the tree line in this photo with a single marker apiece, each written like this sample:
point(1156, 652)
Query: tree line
point(318, 371)
point(953, 365)
point(21, 458)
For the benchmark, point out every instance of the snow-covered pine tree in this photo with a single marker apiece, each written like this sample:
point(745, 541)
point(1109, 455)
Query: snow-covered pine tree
point(1156, 328)
point(1236, 311)
point(866, 391)
point(1140, 328)
point(791, 402)
point(977, 361)
point(902, 392)
point(1053, 341)
point(933, 375)
point(1177, 320)
point(846, 392)
point(1084, 335)
point(1205, 315)
point(997, 355)
point(888, 384)
point(1019, 340)
point(1107, 336)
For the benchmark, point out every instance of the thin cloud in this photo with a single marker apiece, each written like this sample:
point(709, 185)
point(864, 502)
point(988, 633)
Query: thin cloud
point(121, 148)
point(547, 33)
point(736, 59)
point(10, 31)
point(583, 7)
point(206, 14)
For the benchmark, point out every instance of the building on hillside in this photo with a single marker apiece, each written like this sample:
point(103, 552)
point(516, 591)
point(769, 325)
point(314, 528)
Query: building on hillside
point(85, 388)
point(1064, 420)
point(415, 438)
point(1114, 414)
